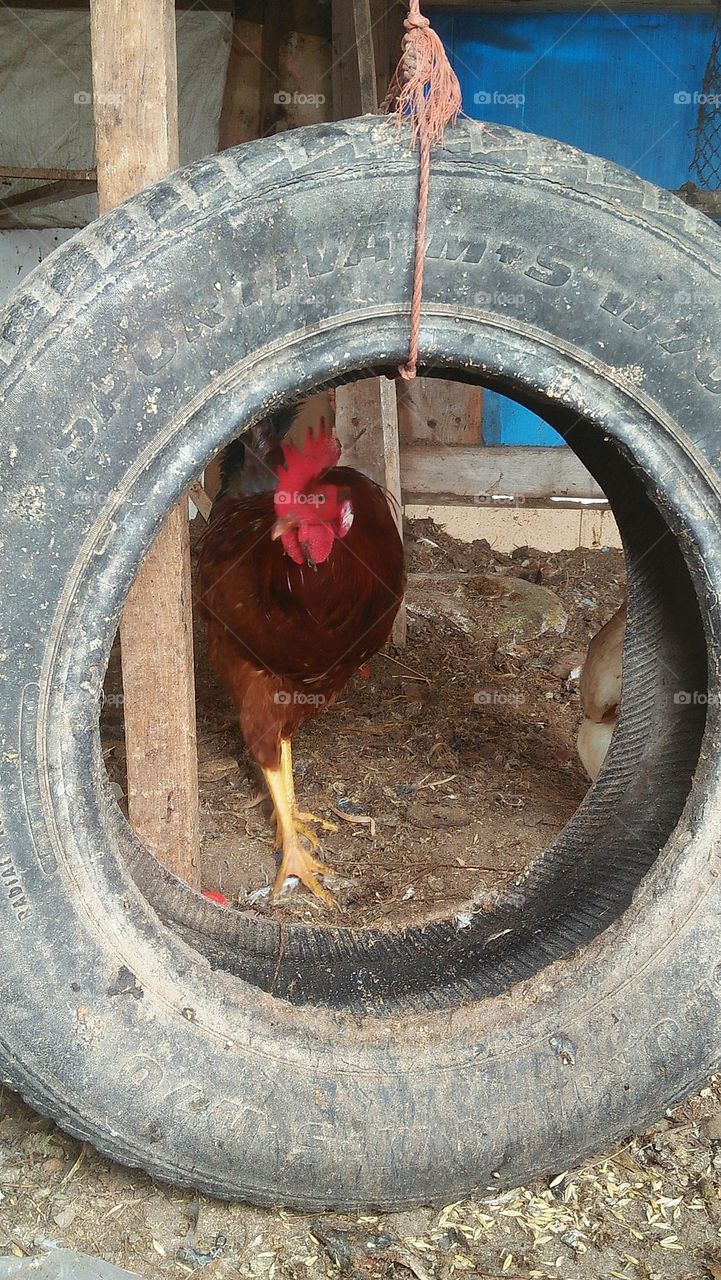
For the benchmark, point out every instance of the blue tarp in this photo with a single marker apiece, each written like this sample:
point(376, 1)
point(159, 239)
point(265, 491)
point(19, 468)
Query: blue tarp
point(625, 86)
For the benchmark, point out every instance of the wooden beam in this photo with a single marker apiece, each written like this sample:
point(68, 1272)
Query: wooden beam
point(495, 476)
point(48, 193)
point(135, 100)
point(314, 22)
point(73, 6)
point(344, 69)
point(305, 16)
point(230, 124)
point(49, 175)
point(365, 56)
point(388, 32)
point(366, 423)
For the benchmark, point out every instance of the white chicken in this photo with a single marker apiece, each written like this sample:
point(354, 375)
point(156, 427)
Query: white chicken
point(601, 692)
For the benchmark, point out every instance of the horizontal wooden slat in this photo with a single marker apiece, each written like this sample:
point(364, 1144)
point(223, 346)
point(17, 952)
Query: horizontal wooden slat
point(494, 476)
point(47, 193)
point(48, 175)
point(304, 15)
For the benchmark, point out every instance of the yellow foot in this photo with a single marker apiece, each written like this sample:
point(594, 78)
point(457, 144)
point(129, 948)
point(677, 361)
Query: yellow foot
point(296, 862)
point(317, 822)
point(301, 822)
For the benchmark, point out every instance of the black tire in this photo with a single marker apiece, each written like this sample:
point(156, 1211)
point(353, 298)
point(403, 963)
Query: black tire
point(354, 1068)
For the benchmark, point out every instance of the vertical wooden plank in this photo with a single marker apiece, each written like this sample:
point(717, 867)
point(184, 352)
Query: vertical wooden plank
point(346, 84)
point(441, 411)
point(388, 33)
point(365, 56)
point(366, 412)
point(366, 423)
point(241, 81)
point(270, 66)
point(135, 97)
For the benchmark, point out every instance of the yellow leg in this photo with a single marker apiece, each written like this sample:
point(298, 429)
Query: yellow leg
point(296, 860)
point(301, 820)
point(286, 769)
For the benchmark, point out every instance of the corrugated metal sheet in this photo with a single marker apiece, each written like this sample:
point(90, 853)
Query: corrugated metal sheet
point(628, 86)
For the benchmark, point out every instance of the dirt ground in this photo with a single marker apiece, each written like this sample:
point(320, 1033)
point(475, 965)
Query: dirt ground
point(460, 749)
point(650, 1211)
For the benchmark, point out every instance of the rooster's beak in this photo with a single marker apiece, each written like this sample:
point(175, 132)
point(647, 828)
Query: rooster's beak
point(282, 526)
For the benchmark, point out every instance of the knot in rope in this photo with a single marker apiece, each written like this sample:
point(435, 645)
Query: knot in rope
point(416, 20)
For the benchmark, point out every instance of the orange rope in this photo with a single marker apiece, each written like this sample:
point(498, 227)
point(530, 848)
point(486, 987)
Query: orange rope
point(424, 92)
point(408, 370)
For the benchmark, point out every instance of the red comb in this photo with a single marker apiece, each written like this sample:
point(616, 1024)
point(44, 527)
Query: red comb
point(316, 455)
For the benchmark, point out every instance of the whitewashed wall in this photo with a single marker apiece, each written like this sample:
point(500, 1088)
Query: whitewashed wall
point(20, 251)
point(47, 117)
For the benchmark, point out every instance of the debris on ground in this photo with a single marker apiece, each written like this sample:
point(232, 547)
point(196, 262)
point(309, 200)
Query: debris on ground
point(650, 1210)
point(449, 765)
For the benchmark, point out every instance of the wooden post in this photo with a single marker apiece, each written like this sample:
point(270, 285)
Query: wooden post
point(367, 407)
point(366, 58)
point(268, 112)
point(135, 97)
point(237, 75)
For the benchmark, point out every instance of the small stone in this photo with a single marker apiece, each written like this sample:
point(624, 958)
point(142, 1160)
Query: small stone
point(710, 1128)
point(65, 1217)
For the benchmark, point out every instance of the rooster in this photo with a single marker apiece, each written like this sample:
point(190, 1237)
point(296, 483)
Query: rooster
point(299, 585)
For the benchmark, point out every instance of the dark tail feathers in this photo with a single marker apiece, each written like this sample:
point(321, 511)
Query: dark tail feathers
point(247, 465)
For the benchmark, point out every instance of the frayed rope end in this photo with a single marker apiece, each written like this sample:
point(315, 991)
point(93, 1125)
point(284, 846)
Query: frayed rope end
point(425, 92)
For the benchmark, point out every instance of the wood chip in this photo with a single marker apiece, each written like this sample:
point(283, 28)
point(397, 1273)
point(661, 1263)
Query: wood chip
point(356, 819)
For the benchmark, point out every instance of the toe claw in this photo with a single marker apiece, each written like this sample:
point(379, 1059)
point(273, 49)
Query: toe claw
point(297, 862)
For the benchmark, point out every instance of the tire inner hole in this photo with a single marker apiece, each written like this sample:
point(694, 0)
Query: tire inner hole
point(495, 914)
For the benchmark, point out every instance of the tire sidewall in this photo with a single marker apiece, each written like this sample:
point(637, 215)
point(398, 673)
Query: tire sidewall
point(230, 297)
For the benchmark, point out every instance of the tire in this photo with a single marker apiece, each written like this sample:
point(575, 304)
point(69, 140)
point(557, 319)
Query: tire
point(327, 1067)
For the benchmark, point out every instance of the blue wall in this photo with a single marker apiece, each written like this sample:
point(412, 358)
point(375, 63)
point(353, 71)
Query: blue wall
point(620, 85)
